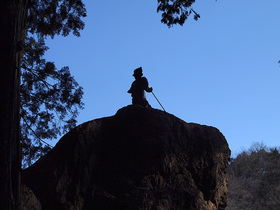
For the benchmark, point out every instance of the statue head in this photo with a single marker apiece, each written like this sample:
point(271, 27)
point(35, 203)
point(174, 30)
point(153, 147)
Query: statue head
point(138, 72)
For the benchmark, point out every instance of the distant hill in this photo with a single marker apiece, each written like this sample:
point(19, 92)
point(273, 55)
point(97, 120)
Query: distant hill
point(254, 179)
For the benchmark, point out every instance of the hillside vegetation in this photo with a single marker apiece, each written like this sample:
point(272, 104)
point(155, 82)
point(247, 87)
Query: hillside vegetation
point(254, 179)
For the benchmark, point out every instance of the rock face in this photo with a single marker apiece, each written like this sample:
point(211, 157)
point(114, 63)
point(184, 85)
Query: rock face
point(140, 158)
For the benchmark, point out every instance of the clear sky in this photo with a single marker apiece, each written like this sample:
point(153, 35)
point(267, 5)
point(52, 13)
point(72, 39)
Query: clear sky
point(221, 70)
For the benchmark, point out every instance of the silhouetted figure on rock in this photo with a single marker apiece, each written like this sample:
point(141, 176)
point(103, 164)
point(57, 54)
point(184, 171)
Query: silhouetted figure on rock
point(138, 88)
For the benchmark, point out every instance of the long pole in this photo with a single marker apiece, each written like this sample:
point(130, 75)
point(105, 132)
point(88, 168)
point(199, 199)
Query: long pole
point(158, 101)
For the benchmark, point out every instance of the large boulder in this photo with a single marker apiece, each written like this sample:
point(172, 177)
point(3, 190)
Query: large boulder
point(140, 158)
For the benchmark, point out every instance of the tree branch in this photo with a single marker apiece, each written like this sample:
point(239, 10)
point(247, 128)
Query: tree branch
point(35, 132)
point(32, 72)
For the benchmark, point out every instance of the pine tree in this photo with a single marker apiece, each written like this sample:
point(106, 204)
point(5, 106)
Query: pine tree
point(50, 98)
point(19, 21)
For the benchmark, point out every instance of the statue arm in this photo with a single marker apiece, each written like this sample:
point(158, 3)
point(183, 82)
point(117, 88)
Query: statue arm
point(147, 88)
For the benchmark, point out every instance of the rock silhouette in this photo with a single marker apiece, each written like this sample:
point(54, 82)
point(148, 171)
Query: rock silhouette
point(140, 158)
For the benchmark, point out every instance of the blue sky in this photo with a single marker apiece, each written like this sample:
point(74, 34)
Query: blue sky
point(220, 71)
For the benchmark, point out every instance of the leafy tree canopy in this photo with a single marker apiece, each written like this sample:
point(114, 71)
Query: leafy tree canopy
point(176, 11)
point(50, 97)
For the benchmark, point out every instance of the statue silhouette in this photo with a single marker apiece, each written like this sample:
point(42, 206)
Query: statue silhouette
point(138, 88)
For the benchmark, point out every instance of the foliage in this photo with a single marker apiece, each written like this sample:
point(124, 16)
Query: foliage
point(50, 98)
point(176, 11)
point(254, 179)
point(55, 17)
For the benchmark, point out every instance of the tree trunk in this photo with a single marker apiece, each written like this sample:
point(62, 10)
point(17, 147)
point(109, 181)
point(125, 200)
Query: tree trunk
point(12, 15)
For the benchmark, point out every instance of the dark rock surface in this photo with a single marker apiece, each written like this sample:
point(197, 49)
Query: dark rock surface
point(139, 158)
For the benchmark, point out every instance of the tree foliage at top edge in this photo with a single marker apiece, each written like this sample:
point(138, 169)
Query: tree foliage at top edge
point(176, 11)
point(55, 17)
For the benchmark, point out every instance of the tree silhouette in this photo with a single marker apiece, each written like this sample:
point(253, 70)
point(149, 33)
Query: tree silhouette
point(19, 19)
point(50, 99)
point(176, 11)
